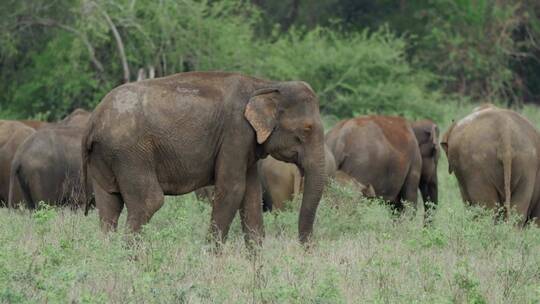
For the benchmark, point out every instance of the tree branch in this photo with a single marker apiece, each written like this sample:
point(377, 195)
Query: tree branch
point(119, 44)
point(80, 35)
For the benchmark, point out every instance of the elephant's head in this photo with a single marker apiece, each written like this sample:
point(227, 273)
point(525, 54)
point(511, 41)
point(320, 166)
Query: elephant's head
point(427, 135)
point(288, 126)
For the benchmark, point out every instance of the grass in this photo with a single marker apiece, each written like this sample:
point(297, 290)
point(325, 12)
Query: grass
point(363, 254)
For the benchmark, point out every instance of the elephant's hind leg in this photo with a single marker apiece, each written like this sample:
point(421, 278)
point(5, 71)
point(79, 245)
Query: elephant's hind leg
point(521, 198)
point(477, 189)
point(409, 191)
point(535, 214)
point(109, 207)
point(142, 195)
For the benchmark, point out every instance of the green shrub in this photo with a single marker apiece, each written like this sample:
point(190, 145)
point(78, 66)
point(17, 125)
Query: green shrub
point(353, 74)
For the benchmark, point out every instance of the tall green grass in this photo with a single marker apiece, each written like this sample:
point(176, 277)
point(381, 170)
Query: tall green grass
point(362, 254)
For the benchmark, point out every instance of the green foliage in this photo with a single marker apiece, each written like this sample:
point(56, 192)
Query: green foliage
point(57, 82)
point(472, 44)
point(355, 73)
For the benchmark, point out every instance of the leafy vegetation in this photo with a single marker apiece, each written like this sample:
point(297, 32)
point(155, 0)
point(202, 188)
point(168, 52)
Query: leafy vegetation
point(362, 251)
point(398, 57)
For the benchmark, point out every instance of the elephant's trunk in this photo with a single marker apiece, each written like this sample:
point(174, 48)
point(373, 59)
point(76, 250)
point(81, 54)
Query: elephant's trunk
point(314, 181)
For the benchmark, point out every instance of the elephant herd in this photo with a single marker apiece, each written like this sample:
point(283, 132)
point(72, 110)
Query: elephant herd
point(258, 143)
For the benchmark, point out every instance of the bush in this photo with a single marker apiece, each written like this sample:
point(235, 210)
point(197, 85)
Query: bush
point(359, 73)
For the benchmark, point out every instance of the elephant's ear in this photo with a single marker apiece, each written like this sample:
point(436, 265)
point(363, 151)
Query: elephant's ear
point(261, 112)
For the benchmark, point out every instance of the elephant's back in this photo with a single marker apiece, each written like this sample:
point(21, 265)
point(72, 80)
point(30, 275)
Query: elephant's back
point(386, 136)
point(38, 150)
point(378, 151)
point(13, 131)
point(484, 131)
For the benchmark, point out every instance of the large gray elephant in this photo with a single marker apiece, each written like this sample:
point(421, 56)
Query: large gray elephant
point(46, 167)
point(175, 134)
point(494, 154)
point(12, 134)
point(381, 151)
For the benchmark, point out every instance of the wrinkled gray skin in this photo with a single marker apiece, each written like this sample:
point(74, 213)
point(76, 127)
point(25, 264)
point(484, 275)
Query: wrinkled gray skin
point(175, 134)
point(47, 168)
point(282, 181)
point(494, 154)
point(427, 135)
point(381, 151)
point(12, 135)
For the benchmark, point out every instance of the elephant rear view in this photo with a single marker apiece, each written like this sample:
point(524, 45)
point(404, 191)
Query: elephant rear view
point(12, 135)
point(494, 154)
point(381, 151)
point(47, 168)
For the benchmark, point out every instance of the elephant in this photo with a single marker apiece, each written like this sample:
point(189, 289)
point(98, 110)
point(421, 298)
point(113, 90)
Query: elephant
point(427, 135)
point(205, 193)
point(12, 134)
point(494, 154)
point(282, 181)
point(381, 151)
point(46, 167)
point(345, 179)
point(175, 134)
point(35, 124)
point(78, 118)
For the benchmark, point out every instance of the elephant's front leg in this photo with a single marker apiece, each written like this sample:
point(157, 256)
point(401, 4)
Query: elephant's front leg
point(230, 188)
point(251, 209)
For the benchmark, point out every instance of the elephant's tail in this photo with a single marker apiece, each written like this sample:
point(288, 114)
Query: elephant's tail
point(507, 171)
point(86, 147)
point(15, 167)
point(18, 187)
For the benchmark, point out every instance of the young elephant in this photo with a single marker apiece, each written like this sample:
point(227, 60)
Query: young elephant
point(46, 167)
point(12, 135)
point(282, 181)
point(175, 134)
point(494, 154)
point(427, 135)
point(381, 151)
point(345, 179)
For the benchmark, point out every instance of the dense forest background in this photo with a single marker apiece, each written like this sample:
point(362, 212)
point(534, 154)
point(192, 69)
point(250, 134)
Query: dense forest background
point(402, 57)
